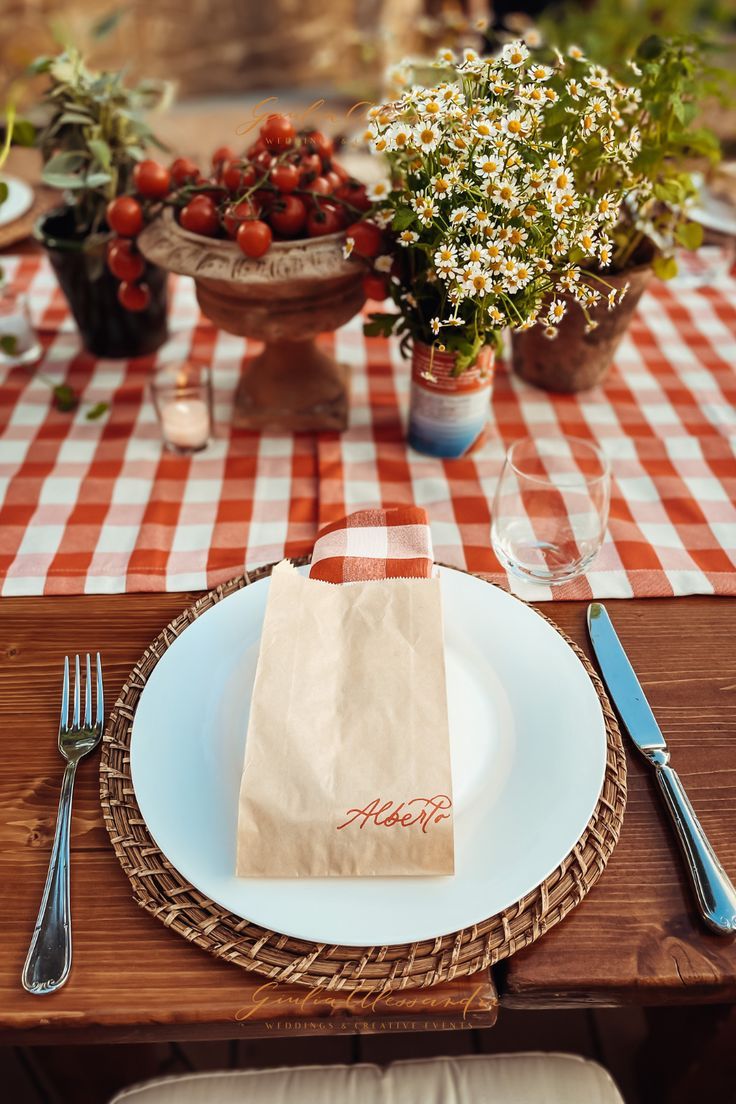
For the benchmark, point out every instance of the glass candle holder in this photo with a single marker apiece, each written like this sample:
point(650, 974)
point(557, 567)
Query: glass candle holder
point(18, 341)
point(182, 396)
point(550, 511)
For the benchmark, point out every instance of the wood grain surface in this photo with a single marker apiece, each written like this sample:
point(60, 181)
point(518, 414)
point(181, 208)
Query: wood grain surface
point(131, 978)
point(635, 938)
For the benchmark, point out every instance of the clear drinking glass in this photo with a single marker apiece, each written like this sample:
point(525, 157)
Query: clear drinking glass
point(550, 510)
point(182, 396)
point(18, 341)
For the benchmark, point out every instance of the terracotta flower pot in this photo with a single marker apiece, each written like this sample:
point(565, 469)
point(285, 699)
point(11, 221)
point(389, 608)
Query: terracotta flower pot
point(576, 360)
point(285, 299)
point(448, 410)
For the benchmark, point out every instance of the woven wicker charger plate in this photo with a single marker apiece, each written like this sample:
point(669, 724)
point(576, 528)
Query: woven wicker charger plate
point(160, 889)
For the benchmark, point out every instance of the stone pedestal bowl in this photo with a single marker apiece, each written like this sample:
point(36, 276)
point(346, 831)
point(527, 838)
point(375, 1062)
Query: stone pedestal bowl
point(284, 299)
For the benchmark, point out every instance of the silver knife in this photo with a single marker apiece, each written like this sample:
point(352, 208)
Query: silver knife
point(714, 890)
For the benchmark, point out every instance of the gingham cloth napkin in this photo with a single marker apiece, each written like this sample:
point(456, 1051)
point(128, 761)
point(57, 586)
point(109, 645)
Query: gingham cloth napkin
point(374, 544)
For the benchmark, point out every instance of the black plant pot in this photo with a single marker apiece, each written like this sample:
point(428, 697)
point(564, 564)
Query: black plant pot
point(107, 329)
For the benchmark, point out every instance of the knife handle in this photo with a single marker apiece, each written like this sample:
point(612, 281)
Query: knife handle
point(713, 888)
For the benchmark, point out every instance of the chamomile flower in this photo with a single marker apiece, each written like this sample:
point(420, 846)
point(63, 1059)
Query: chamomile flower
point(575, 53)
point(557, 311)
point(488, 165)
point(406, 238)
point(435, 325)
point(445, 260)
point(379, 190)
point(575, 89)
point(427, 137)
point(514, 54)
point(539, 72)
point(505, 193)
point(551, 332)
point(384, 263)
point(348, 246)
point(478, 283)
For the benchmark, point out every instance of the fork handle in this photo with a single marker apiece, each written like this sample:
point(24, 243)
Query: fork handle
point(714, 890)
point(50, 953)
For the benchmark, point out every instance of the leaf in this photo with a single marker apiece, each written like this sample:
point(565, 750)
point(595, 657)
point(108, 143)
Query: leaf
point(24, 133)
point(40, 65)
point(9, 344)
point(106, 24)
point(3, 191)
point(75, 116)
point(380, 325)
point(97, 179)
point(403, 219)
point(62, 180)
point(665, 267)
point(67, 162)
point(97, 411)
point(102, 151)
point(651, 48)
point(690, 234)
point(65, 398)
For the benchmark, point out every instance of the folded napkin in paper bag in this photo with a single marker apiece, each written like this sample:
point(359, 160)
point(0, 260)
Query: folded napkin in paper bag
point(347, 762)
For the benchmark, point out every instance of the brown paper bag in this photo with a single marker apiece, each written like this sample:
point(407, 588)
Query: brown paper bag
point(347, 759)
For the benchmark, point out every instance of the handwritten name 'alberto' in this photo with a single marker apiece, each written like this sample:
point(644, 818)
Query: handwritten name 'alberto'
point(422, 811)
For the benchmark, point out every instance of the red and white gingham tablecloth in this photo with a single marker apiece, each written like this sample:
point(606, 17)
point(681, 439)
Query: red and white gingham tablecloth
point(99, 507)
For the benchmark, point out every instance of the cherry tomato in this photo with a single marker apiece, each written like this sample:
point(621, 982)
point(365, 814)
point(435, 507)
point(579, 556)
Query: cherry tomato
point(367, 237)
point(262, 162)
point(340, 171)
point(183, 170)
point(258, 147)
point(320, 142)
point(325, 219)
point(374, 287)
point(310, 165)
point(254, 238)
point(355, 194)
point(200, 217)
point(221, 155)
point(151, 179)
point(278, 132)
point(288, 216)
point(237, 177)
point(320, 185)
point(333, 180)
point(285, 177)
point(134, 297)
point(124, 261)
point(125, 216)
point(238, 213)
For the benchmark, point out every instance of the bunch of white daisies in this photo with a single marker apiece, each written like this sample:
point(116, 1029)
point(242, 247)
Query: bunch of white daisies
point(482, 193)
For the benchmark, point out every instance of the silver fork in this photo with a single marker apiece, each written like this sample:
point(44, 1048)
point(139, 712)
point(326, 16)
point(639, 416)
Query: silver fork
point(50, 953)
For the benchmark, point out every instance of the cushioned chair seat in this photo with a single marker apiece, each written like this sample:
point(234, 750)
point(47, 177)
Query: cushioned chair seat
point(497, 1079)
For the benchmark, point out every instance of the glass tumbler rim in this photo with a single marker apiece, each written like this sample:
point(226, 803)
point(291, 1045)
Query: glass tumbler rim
point(575, 480)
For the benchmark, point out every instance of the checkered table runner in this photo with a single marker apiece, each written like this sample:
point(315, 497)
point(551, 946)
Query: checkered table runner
point(93, 507)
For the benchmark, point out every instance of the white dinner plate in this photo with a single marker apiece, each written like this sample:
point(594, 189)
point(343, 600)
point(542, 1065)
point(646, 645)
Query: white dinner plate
point(528, 758)
point(18, 201)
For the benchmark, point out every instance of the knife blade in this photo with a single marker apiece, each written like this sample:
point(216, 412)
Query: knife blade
point(715, 894)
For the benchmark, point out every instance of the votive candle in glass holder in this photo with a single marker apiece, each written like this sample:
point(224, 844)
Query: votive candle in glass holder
point(18, 341)
point(182, 396)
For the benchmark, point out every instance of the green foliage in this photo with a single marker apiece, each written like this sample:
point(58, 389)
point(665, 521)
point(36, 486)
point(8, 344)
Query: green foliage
point(95, 132)
point(672, 78)
point(611, 31)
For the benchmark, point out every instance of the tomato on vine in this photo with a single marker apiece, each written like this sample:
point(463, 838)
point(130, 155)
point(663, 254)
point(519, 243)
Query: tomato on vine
point(254, 238)
point(124, 261)
point(288, 216)
point(134, 297)
point(200, 217)
point(125, 216)
point(278, 132)
point(151, 180)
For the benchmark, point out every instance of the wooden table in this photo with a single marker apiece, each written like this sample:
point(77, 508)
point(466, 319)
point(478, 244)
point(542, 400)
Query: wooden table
point(634, 939)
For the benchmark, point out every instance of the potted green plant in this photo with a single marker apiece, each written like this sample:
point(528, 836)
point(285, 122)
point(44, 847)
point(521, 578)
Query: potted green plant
point(667, 80)
point(485, 227)
point(94, 136)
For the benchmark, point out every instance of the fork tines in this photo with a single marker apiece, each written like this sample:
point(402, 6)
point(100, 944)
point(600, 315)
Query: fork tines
point(65, 726)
